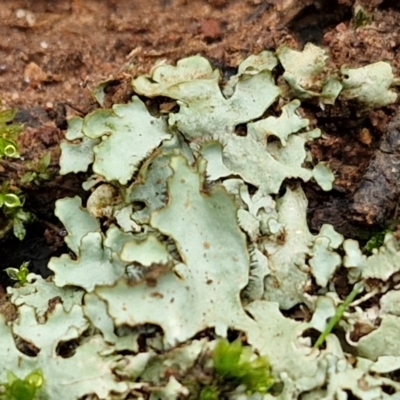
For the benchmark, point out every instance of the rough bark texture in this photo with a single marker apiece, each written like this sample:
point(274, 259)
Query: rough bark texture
point(377, 195)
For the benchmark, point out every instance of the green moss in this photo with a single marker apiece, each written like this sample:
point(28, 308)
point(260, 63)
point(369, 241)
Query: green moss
point(238, 365)
point(235, 367)
point(209, 393)
point(22, 389)
point(376, 241)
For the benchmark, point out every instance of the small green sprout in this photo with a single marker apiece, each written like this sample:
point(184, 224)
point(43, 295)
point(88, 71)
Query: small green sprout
point(338, 314)
point(19, 274)
point(11, 203)
point(361, 17)
point(22, 389)
point(8, 133)
point(11, 213)
point(38, 172)
point(9, 200)
point(237, 365)
point(19, 219)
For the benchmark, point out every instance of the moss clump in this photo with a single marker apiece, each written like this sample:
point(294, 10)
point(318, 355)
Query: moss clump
point(236, 365)
point(376, 241)
point(22, 389)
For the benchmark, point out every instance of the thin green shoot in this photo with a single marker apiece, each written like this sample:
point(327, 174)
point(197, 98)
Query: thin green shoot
point(339, 313)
